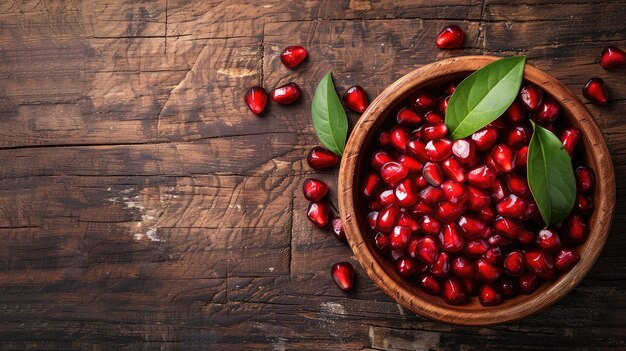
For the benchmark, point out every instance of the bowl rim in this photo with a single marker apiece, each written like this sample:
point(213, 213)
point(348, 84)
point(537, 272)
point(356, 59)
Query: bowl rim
point(598, 158)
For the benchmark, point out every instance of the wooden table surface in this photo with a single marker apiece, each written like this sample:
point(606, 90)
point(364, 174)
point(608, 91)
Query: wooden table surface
point(142, 206)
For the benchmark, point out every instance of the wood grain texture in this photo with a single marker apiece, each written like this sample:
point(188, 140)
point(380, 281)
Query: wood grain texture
point(144, 207)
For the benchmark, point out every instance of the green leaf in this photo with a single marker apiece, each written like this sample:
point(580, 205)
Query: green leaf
point(550, 176)
point(329, 117)
point(484, 96)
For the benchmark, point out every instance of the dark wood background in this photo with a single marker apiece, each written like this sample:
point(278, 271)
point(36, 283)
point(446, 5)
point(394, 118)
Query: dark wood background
point(142, 206)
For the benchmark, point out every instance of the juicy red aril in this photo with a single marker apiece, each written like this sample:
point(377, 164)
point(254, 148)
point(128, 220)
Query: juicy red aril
point(408, 221)
point(433, 117)
point(514, 263)
point(422, 101)
point(485, 138)
point(400, 237)
point(314, 189)
point(432, 173)
point(548, 240)
point(318, 213)
point(293, 56)
point(387, 217)
point(518, 136)
point(576, 229)
point(411, 163)
point(486, 214)
point(406, 267)
point(425, 249)
point(382, 242)
point(454, 192)
point(453, 170)
point(450, 88)
point(489, 296)
point(398, 137)
point(356, 99)
point(499, 240)
point(477, 199)
point(431, 196)
point(286, 94)
point(386, 197)
point(406, 193)
point(595, 91)
point(463, 150)
point(434, 131)
point(476, 247)
point(450, 37)
point(421, 209)
point(441, 267)
point(516, 113)
point(493, 255)
point(372, 182)
point(482, 176)
point(393, 172)
point(442, 104)
point(256, 99)
point(408, 117)
point(585, 179)
point(566, 258)
point(528, 283)
point(450, 238)
point(503, 157)
point(583, 204)
point(506, 288)
point(420, 181)
point(417, 148)
point(448, 212)
point(548, 112)
point(438, 150)
point(429, 284)
point(383, 139)
point(371, 219)
point(521, 157)
point(453, 291)
point(343, 275)
point(517, 185)
point(337, 226)
point(612, 57)
point(430, 225)
point(531, 96)
point(487, 271)
point(470, 226)
point(539, 263)
point(569, 137)
point(379, 158)
point(464, 268)
point(320, 157)
point(498, 190)
point(511, 206)
point(507, 226)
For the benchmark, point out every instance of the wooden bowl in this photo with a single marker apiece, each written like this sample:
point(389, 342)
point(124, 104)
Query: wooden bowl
point(353, 211)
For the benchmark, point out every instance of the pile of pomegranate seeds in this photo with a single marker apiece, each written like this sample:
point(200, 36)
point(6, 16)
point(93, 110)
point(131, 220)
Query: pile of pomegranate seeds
point(457, 218)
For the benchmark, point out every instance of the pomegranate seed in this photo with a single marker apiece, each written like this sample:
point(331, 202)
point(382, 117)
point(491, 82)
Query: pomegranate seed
point(521, 157)
point(256, 99)
point(464, 268)
point(408, 221)
point(525, 236)
point(422, 101)
point(511, 206)
point(485, 138)
point(470, 286)
point(356, 99)
point(548, 112)
point(372, 182)
point(612, 57)
point(486, 214)
point(320, 157)
point(453, 170)
point(382, 242)
point(454, 192)
point(379, 158)
point(432, 173)
point(450, 37)
point(498, 190)
point(438, 150)
point(506, 288)
point(398, 137)
point(477, 199)
point(406, 193)
point(431, 196)
point(420, 181)
point(447, 212)
point(384, 139)
point(424, 249)
point(433, 117)
point(408, 117)
point(583, 204)
point(441, 267)
point(539, 263)
point(393, 172)
point(514, 263)
point(371, 219)
point(453, 292)
point(434, 131)
point(566, 259)
point(528, 283)
point(576, 229)
point(518, 136)
point(450, 238)
point(517, 185)
point(595, 91)
point(387, 217)
point(499, 240)
point(337, 226)
point(498, 124)
point(318, 213)
point(516, 113)
point(411, 163)
point(493, 255)
point(489, 296)
point(442, 104)
point(386, 197)
point(293, 56)
point(548, 240)
point(531, 96)
point(488, 272)
point(450, 88)
point(429, 284)
point(585, 179)
point(421, 209)
point(569, 137)
point(314, 189)
point(503, 157)
point(482, 176)
point(476, 247)
point(343, 275)
point(463, 150)
point(470, 226)
point(286, 94)
point(430, 225)
point(507, 227)
point(400, 237)
point(417, 148)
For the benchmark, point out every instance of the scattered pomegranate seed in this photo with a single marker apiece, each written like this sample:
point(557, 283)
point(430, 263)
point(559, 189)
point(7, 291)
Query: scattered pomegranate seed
point(320, 157)
point(569, 137)
point(433, 117)
point(595, 91)
point(343, 275)
point(454, 170)
point(612, 57)
point(521, 157)
point(539, 263)
point(256, 99)
point(379, 158)
point(292, 56)
point(441, 267)
point(470, 227)
point(450, 37)
point(408, 221)
point(400, 237)
point(585, 179)
point(450, 88)
point(519, 135)
point(506, 288)
point(286, 94)
point(422, 101)
point(548, 240)
point(488, 272)
point(517, 185)
point(489, 296)
point(406, 193)
point(511, 206)
point(337, 226)
point(448, 212)
point(485, 138)
point(432, 173)
point(429, 284)
point(387, 217)
point(371, 219)
point(583, 204)
point(398, 137)
point(493, 255)
point(372, 182)
point(406, 267)
point(393, 172)
point(318, 213)
point(450, 238)
point(514, 263)
point(413, 164)
point(382, 242)
point(566, 259)
point(453, 291)
point(408, 117)
point(442, 104)
point(383, 139)
point(476, 247)
point(431, 196)
point(463, 150)
point(516, 113)
point(548, 112)
point(481, 176)
point(576, 229)
point(356, 99)
point(434, 131)
point(507, 227)
point(464, 268)
point(528, 283)
point(503, 157)
point(315, 189)
point(531, 96)
point(438, 150)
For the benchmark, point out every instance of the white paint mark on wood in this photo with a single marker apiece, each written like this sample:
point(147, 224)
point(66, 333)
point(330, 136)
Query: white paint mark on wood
point(332, 308)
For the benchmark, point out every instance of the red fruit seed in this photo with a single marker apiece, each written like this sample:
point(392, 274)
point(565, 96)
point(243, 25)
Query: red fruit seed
point(595, 91)
point(343, 275)
point(314, 189)
point(356, 99)
point(293, 56)
point(612, 57)
point(450, 37)
point(318, 213)
point(286, 94)
point(320, 157)
point(256, 99)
